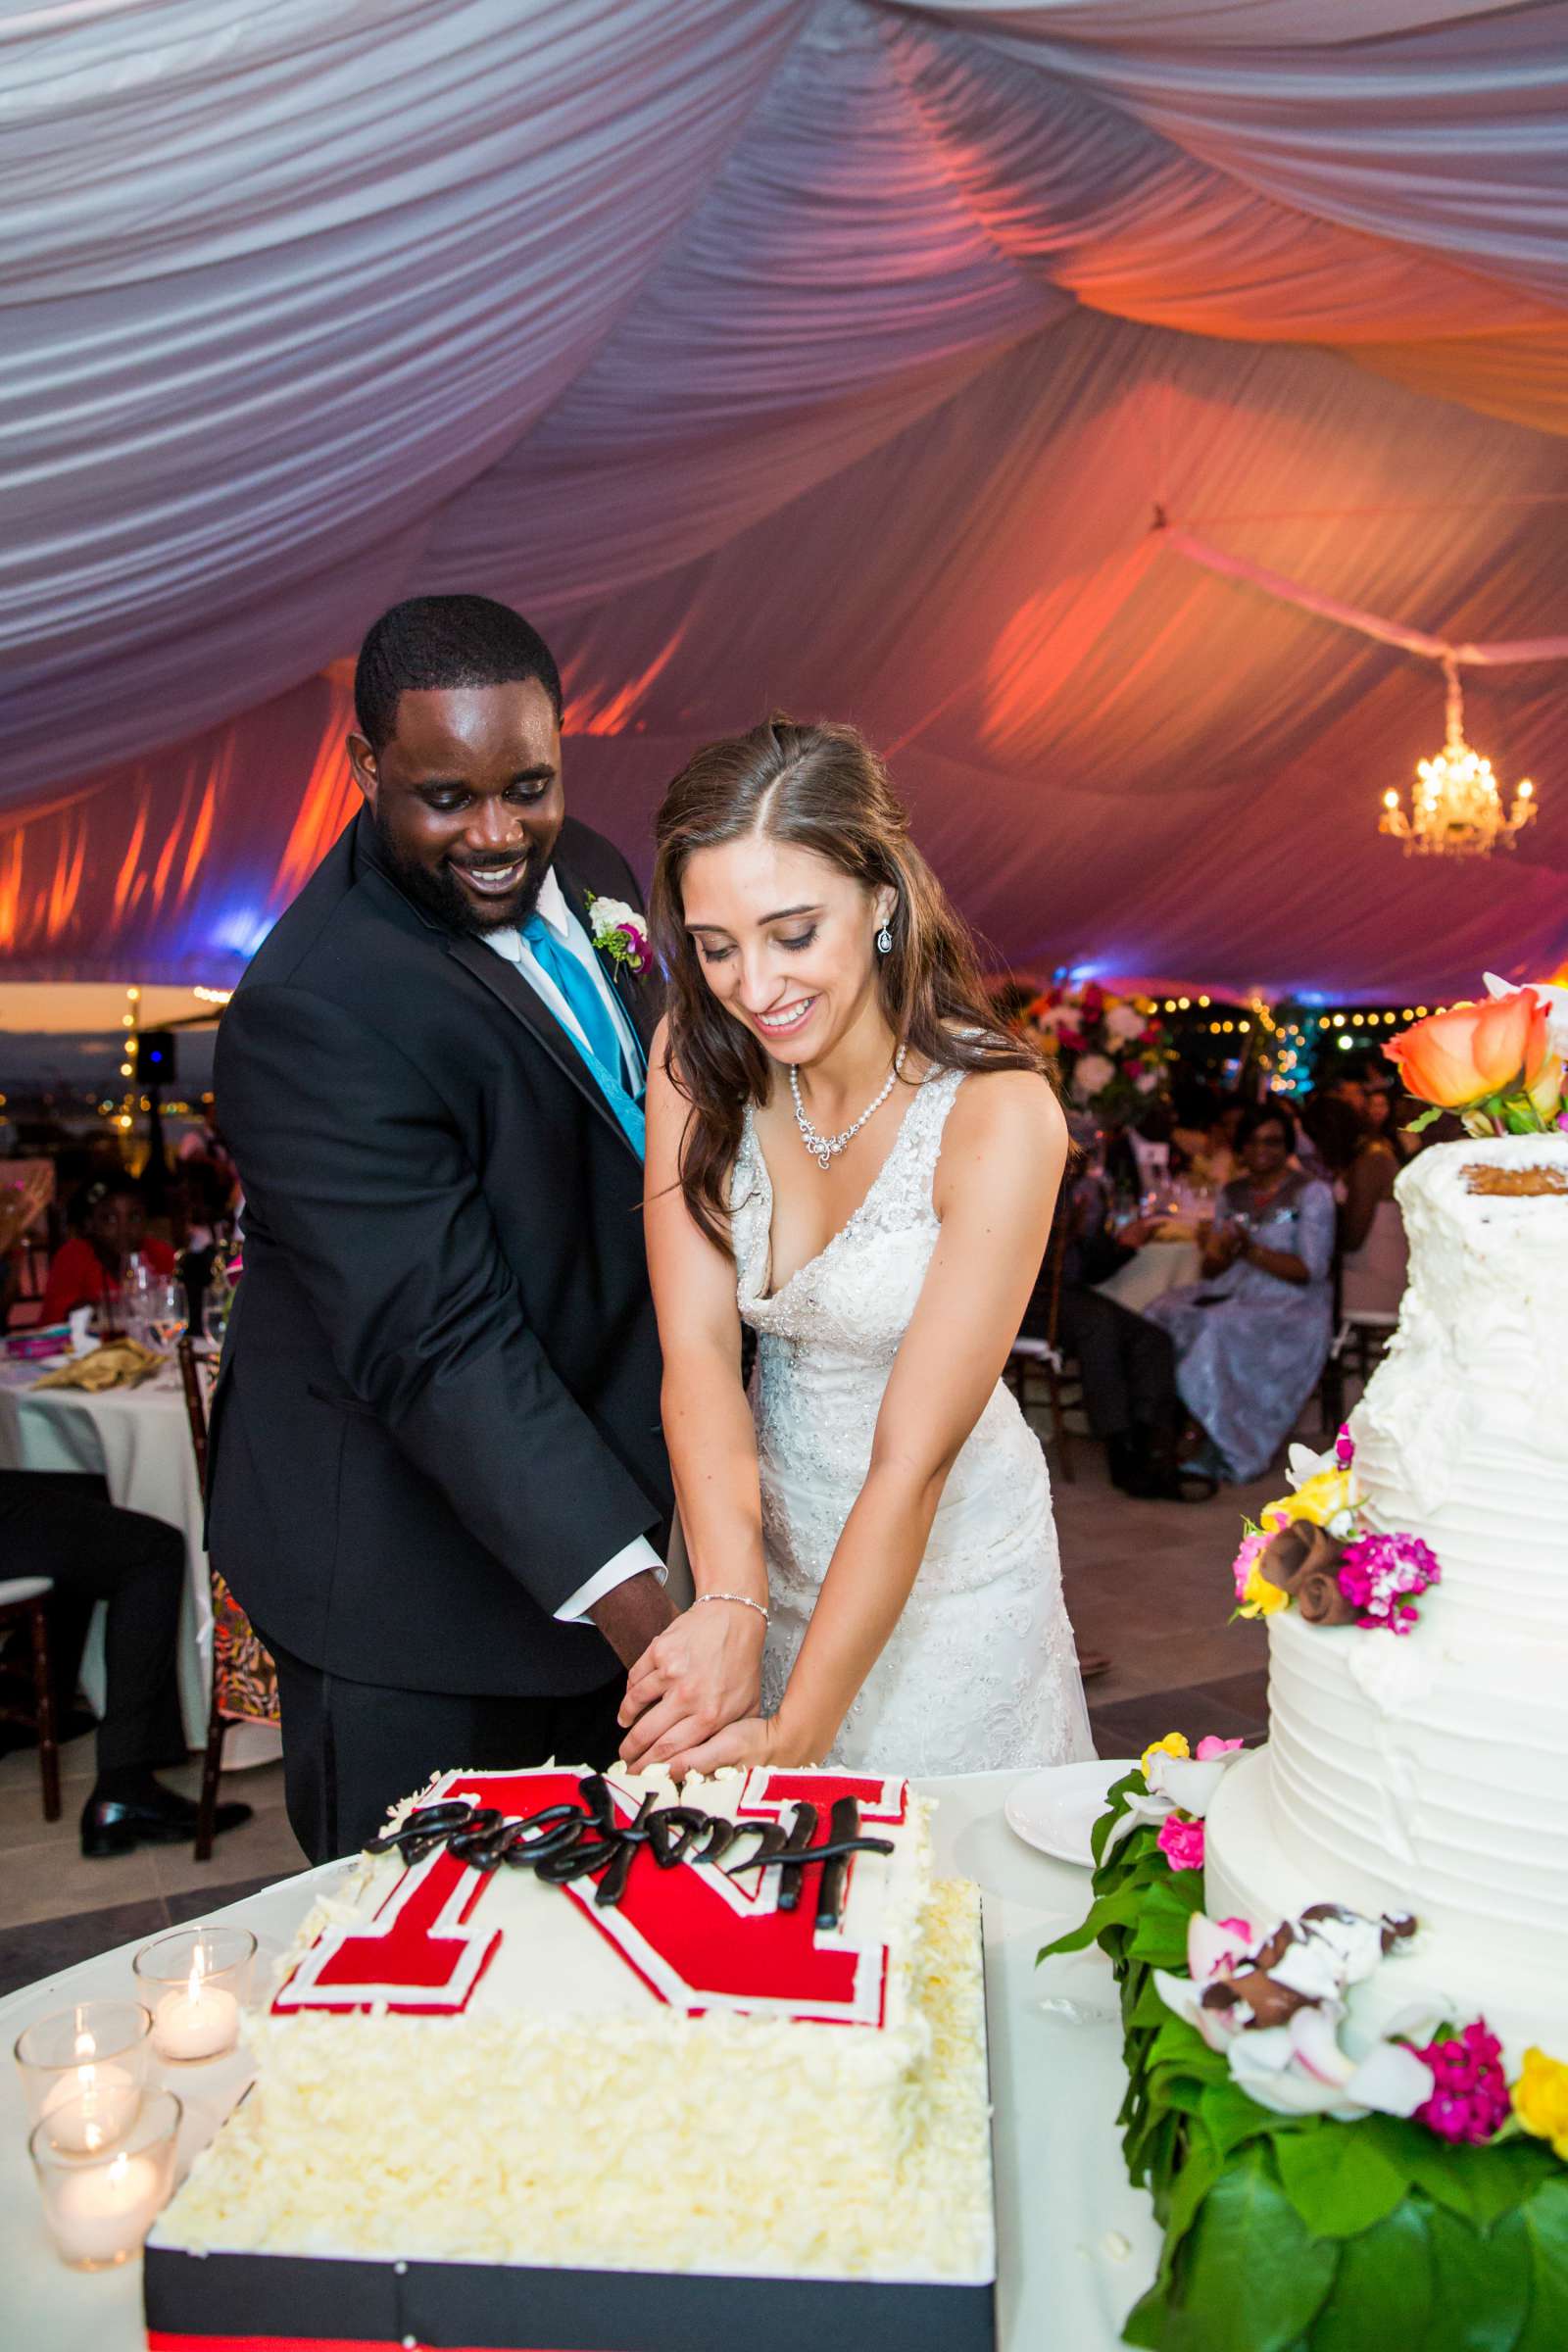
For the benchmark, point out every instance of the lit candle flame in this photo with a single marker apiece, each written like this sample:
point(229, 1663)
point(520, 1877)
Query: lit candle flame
point(193, 1989)
point(85, 2045)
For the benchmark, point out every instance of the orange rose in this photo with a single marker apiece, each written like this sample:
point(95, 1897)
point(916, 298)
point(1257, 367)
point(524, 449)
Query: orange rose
point(1474, 1050)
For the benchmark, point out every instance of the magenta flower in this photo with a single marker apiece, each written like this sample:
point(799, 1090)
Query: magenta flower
point(1343, 1447)
point(1469, 2100)
point(1384, 1575)
point(1210, 1747)
point(1181, 1842)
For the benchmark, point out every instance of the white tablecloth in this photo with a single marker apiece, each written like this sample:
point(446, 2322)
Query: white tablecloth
point(1077, 2243)
point(137, 1440)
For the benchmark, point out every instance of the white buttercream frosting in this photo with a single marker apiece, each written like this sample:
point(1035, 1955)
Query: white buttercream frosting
point(1425, 1768)
point(568, 2116)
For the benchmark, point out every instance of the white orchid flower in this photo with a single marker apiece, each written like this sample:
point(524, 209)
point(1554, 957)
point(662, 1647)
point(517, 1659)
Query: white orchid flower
point(1299, 2067)
point(1189, 1784)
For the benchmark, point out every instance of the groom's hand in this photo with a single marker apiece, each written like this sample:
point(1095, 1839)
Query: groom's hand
point(700, 1676)
point(633, 1614)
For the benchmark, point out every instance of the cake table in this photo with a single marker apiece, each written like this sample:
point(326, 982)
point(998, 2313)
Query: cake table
point(1077, 2245)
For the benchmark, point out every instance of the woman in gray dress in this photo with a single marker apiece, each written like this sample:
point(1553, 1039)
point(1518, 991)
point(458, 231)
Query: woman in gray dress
point(1251, 1334)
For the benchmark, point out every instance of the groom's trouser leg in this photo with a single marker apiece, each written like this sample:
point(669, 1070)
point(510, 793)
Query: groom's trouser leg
point(351, 1749)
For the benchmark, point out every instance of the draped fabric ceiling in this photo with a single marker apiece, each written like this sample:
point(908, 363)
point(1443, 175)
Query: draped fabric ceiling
point(826, 353)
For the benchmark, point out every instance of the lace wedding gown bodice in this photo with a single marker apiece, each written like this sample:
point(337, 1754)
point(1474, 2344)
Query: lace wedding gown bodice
point(980, 1671)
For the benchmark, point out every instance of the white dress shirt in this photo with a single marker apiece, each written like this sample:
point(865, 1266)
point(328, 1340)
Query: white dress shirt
point(639, 1553)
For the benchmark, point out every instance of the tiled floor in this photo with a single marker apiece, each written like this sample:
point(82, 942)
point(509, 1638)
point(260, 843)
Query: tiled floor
point(1146, 1581)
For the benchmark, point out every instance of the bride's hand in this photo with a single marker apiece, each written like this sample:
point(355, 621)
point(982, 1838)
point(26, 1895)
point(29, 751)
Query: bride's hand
point(756, 1739)
point(700, 1674)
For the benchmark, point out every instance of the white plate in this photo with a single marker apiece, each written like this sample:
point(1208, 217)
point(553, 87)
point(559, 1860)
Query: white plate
point(1056, 1809)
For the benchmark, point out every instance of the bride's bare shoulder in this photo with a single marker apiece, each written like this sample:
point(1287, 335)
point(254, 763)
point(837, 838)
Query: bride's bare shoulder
point(1014, 1109)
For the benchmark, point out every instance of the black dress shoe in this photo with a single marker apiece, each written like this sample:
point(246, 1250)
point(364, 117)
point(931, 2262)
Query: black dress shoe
point(112, 1825)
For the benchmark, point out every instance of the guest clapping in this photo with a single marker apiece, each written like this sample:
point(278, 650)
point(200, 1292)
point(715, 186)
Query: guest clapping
point(1252, 1332)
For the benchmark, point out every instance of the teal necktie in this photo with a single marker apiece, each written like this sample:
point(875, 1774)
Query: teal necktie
point(603, 1053)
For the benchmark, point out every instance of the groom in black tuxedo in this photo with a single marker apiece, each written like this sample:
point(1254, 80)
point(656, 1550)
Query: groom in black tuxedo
point(439, 1485)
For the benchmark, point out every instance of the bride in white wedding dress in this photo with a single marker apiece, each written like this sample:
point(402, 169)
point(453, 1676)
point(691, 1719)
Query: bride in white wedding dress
point(845, 1154)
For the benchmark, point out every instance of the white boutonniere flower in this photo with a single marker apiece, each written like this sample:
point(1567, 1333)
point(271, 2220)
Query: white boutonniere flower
point(619, 932)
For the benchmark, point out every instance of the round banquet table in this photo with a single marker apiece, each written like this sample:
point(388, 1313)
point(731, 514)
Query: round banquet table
point(138, 1441)
point(1076, 2244)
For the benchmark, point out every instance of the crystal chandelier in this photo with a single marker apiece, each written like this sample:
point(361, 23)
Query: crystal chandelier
point(1457, 807)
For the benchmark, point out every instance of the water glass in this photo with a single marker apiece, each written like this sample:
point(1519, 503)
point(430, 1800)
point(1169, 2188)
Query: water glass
point(167, 1314)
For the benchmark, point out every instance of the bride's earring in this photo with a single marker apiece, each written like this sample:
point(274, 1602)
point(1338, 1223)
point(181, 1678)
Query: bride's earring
point(884, 941)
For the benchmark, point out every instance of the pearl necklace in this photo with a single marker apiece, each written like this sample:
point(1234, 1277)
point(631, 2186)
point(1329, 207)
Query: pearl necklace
point(825, 1148)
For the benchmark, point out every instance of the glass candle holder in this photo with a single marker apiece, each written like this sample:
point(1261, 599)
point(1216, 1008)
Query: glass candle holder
point(196, 1981)
point(100, 2204)
point(86, 2066)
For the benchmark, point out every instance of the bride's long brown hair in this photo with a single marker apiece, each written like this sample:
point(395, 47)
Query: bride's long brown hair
point(820, 788)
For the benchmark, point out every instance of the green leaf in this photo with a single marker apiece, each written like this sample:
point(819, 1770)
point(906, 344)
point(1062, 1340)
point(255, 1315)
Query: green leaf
point(1382, 2299)
point(1478, 2186)
point(1229, 2117)
point(1339, 2180)
point(1425, 1119)
point(1248, 2278)
point(1482, 2282)
point(1545, 2226)
point(1111, 1910)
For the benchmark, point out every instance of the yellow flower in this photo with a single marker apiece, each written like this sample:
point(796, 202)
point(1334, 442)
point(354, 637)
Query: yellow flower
point(1323, 1497)
point(1260, 1598)
point(1174, 1743)
point(1540, 2099)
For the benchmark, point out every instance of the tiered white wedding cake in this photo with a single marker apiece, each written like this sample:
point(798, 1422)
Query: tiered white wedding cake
point(1426, 1771)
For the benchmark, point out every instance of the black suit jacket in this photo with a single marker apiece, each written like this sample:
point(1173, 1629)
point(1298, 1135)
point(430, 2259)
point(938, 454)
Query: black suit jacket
point(438, 1413)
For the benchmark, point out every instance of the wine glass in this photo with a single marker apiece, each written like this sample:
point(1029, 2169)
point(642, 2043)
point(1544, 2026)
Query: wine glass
point(167, 1314)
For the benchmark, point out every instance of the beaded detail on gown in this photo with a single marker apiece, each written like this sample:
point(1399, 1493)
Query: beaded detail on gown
point(980, 1671)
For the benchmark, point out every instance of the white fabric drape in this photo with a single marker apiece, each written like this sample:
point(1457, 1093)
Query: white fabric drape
point(826, 352)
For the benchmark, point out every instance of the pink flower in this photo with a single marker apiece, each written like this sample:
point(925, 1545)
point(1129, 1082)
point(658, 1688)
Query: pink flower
point(1210, 1747)
point(1181, 1842)
point(1469, 2099)
point(1343, 1447)
point(1253, 1546)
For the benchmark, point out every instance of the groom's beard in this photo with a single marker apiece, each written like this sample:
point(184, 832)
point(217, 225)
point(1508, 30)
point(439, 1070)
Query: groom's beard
point(439, 893)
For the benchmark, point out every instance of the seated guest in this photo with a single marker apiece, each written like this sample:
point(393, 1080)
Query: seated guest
point(1126, 1365)
point(1252, 1332)
point(1329, 1133)
point(63, 1525)
point(1368, 1181)
point(113, 1216)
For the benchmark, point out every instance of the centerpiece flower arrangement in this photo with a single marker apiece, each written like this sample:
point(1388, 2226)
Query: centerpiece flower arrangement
point(1313, 1551)
point(1499, 1065)
point(1110, 1053)
point(1332, 2167)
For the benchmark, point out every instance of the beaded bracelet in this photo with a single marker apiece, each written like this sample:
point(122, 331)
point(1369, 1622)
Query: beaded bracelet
point(745, 1600)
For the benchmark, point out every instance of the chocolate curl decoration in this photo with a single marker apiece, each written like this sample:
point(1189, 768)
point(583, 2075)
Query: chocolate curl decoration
point(843, 1829)
point(566, 1842)
point(1303, 1560)
point(803, 1828)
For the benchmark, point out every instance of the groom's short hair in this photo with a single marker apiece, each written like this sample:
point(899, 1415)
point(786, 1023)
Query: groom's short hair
point(437, 641)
